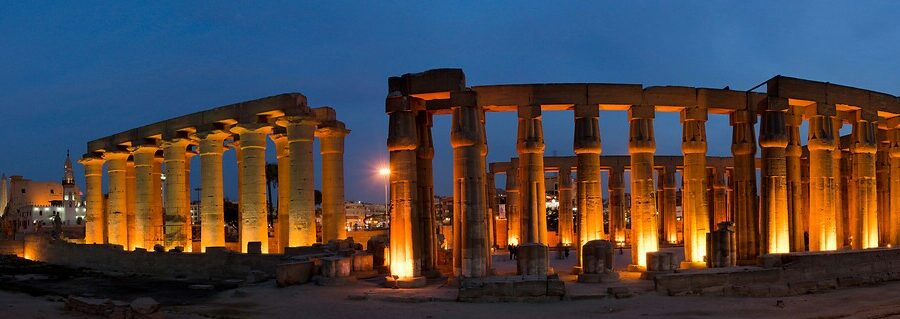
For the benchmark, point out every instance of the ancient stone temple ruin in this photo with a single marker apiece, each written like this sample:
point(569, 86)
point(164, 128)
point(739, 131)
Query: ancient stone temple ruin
point(830, 193)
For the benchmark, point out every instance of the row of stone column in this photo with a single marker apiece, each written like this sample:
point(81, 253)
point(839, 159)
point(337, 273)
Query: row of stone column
point(135, 215)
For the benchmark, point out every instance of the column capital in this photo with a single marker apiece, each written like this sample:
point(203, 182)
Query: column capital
point(743, 140)
point(212, 134)
point(140, 149)
point(177, 142)
point(334, 129)
point(772, 131)
point(587, 130)
point(243, 128)
point(640, 136)
point(821, 133)
point(693, 137)
point(863, 138)
point(90, 160)
point(116, 155)
point(530, 133)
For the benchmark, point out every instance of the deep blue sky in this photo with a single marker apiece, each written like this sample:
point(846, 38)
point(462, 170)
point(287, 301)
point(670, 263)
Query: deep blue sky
point(71, 72)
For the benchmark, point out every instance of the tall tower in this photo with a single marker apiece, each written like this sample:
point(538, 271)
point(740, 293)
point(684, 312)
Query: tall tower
point(71, 196)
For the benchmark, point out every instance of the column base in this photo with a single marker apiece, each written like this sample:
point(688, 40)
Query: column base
point(404, 283)
point(691, 265)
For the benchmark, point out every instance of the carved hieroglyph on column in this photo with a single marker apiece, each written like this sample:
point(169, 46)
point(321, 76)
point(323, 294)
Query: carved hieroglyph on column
point(566, 227)
point(331, 140)
point(797, 215)
point(144, 156)
point(425, 192)
point(469, 207)
point(513, 213)
point(773, 140)
point(302, 210)
point(894, 149)
point(532, 191)
point(746, 215)
point(402, 143)
point(282, 155)
point(117, 208)
point(694, 199)
point(642, 146)
point(212, 205)
point(670, 229)
point(177, 213)
point(864, 215)
point(95, 216)
point(588, 191)
point(822, 211)
point(617, 204)
point(253, 224)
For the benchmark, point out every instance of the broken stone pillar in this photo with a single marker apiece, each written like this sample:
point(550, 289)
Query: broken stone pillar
point(254, 223)
point(667, 209)
point(117, 207)
point(282, 155)
point(530, 147)
point(566, 227)
point(746, 215)
point(694, 198)
point(597, 261)
point(144, 156)
point(659, 261)
point(302, 197)
point(532, 259)
point(616, 186)
point(774, 207)
point(513, 213)
point(822, 192)
point(720, 243)
point(864, 218)
point(894, 151)
point(425, 191)
point(588, 189)
point(130, 186)
point(402, 143)
point(470, 229)
point(797, 215)
point(95, 215)
point(212, 196)
point(177, 213)
point(642, 146)
point(331, 139)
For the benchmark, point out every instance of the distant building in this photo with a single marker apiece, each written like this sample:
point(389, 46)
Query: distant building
point(31, 203)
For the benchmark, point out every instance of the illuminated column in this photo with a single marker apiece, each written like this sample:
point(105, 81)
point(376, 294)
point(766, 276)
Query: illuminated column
point(773, 139)
point(883, 179)
point(642, 146)
point(254, 224)
point(188, 230)
point(894, 151)
point(117, 207)
point(425, 191)
point(797, 215)
point(331, 141)
point(842, 201)
point(588, 189)
point(864, 220)
point(822, 192)
point(616, 184)
point(177, 213)
point(530, 147)
point(302, 209)
point(144, 155)
point(157, 218)
point(282, 155)
point(212, 205)
point(670, 232)
point(467, 137)
point(746, 215)
point(695, 208)
point(720, 196)
point(129, 204)
point(513, 215)
point(95, 216)
point(489, 219)
point(402, 143)
point(566, 227)
point(239, 155)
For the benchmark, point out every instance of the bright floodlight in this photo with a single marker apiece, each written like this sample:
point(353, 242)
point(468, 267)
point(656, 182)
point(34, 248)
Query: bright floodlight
point(384, 172)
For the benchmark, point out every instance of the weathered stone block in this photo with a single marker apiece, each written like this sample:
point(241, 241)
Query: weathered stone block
point(254, 247)
point(661, 261)
point(532, 259)
point(335, 267)
point(597, 257)
point(294, 273)
point(362, 262)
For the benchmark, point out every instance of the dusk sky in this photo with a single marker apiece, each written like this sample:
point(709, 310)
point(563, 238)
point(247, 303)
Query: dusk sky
point(71, 72)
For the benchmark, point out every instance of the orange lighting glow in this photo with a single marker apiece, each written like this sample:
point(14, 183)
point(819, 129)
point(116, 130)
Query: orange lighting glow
point(384, 171)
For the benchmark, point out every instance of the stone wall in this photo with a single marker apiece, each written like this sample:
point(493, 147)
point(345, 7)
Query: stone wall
point(12, 247)
point(215, 263)
point(788, 274)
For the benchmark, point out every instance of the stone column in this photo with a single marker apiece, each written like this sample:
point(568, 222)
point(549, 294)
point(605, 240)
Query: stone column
point(670, 233)
point(157, 217)
point(565, 226)
point(695, 208)
point(282, 155)
point(117, 203)
point(302, 209)
point(720, 196)
point(642, 146)
point(129, 204)
point(467, 138)
point(178, 214)
point(95, 216)
point(212, 205)
point(822, 192)
point(331, 140)
point(589, 192)
point(239, 155)
point(188, 225)
point(513, 214)
point(773, 139)
point(841, 167)
point(797, 215)
point(864, 218)
point(402, 143)
point(883, 180)
point(746, 215)
point(530, 147)
point(144, 155)
point(254, 223)
point(894, 151)
point(616, 184)
point(425, 191)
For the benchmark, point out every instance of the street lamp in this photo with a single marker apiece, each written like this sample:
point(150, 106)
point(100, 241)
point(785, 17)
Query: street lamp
point(386, 174)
